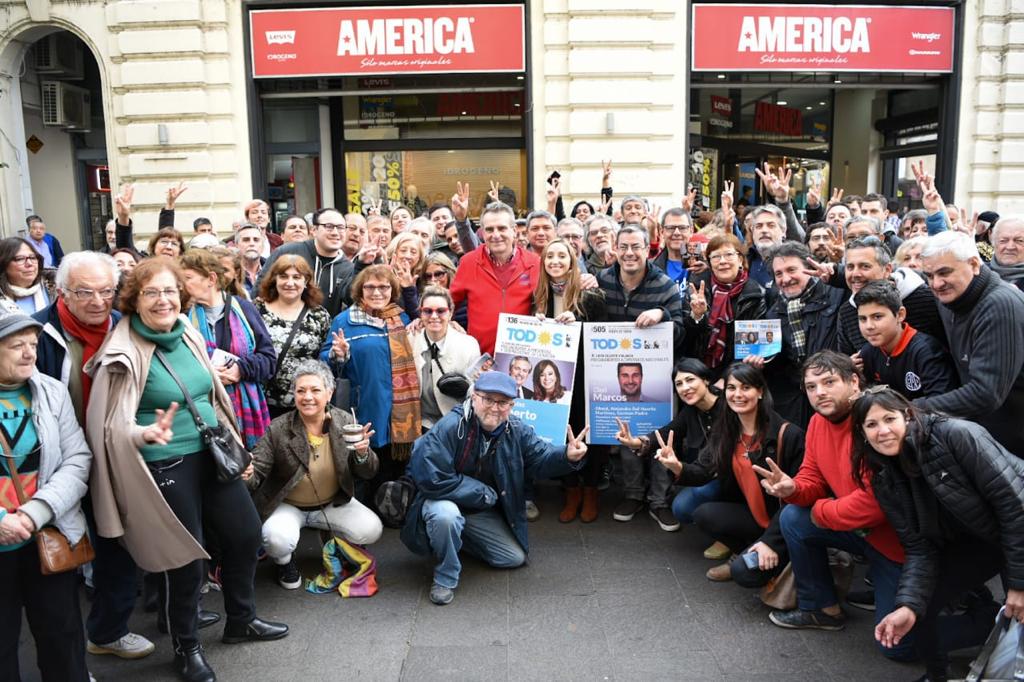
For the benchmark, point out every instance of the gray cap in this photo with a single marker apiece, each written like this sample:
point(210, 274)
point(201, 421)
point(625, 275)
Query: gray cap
point(16, 322)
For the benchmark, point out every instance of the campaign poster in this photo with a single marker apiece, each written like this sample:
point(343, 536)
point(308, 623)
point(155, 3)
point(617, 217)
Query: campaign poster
point(629, 376)
point(757, 337)
point(541, 358)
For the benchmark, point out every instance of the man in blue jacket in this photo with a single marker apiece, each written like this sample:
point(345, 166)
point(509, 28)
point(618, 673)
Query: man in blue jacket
point(469, 470)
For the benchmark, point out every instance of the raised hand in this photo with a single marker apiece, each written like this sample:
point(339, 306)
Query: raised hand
point(460, 202)
point(363, 446)
point(776, 482)
point(374, 207)
point(666, 454)
point(768, 178)
point(727, 196)
point(173, 193)
point(698, 301)
point(814, 195)
point(690, 199)
point(649, 318)
point(405, 276)
point(554, 191)
point(837, 196)
point(894, 627)
point(339, 345)
point(767, 558)
point(782, 185)
point(626, 437)
point(368, 253)
point(819, 270)
point(576, 448)
point(123, 204)
point(654, 215)
point(606, 173)
point(159, 432)
point(493, 193)
point(754, 361)
point(605, 205)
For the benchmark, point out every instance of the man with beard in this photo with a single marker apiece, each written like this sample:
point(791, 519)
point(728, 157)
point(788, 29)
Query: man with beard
point(823, 243)
point(249, 241)
point(825, 507)
point(676, 230)
point(631, 382)
point(768, 228)
point(355, 235)
point(600, 237)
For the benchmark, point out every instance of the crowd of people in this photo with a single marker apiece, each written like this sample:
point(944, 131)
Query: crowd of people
point(350, 354)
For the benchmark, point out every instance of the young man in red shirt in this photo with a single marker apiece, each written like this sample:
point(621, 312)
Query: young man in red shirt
point(825, 508)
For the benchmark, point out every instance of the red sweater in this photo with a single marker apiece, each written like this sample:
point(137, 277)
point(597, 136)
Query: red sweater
point(825, 483)
point(477, 281)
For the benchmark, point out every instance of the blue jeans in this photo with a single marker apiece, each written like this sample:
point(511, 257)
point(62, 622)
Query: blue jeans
point(689, 498)
point(486, 535)
point(815, 590)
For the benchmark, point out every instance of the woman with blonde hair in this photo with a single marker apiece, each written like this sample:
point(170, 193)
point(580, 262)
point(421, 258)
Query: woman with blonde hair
point(406, 256)
point(558, 295)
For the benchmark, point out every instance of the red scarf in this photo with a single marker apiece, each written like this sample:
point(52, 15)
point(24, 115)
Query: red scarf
point(722, 297)
point(91, 337)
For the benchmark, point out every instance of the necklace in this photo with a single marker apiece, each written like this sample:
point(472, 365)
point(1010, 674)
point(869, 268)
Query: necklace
point(315, 443)
point(749, 444)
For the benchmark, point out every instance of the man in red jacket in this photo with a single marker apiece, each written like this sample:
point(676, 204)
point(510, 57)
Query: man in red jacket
point(497, 277)
point(826, 508)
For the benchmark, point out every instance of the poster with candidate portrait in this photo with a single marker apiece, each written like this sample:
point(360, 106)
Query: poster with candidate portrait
point(757, 337)
point(541, 358)
point(628, 376)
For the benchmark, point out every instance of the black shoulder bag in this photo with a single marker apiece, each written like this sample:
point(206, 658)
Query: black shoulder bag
point(230, 457)
point(291, 337)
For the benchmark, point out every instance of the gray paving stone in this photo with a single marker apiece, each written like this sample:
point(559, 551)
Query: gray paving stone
point(442, 663)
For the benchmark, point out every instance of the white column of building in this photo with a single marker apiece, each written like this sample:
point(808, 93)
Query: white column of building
point(990, 167)
point(179, 64)
point(610, 81)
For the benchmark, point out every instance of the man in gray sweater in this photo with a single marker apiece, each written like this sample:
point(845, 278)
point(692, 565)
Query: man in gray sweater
point(984, 321)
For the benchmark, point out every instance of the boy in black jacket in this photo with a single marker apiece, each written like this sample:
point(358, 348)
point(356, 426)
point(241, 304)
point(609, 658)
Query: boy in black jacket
point(910, 362)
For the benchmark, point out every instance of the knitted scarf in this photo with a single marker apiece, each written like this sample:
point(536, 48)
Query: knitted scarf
point(246, 396)
point(1009, 273)
point(91, 337)
point(405, 386)
point(722, 313)
point(794, 312)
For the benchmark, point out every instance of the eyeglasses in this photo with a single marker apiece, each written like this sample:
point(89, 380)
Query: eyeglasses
point(330, 227)
point(601, 231)
point(722, 255)
point(677, 228)
point(168, 242)
point(87, 294)
point(572, 237)
point(21, 260)
point(437, 274)
point(154, 294)
point(500, 404)
point(430, 312)
point(633, 248)
point(382, 288)
point(355, 228)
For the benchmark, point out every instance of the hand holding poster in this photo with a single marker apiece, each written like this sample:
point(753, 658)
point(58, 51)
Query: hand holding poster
point(758, 337)
point(629, 376)
point(541, 357)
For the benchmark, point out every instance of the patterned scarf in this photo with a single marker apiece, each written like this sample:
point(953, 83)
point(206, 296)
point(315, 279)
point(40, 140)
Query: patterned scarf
point(722, 298)
point(405, 386)
point(246, 397)
point(794, 311)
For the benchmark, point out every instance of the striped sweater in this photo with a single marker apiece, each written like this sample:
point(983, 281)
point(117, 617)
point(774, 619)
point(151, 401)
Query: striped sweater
point(656, 290)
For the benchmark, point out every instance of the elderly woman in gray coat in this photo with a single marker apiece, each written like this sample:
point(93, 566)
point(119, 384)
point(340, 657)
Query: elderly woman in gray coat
point(45, 448)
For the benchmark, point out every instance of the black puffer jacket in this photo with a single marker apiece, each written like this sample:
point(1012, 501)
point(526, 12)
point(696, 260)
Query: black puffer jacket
point(975, 480)
point(789, 455)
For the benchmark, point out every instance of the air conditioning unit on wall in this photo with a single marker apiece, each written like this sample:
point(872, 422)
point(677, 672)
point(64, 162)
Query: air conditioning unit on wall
point(59, 55)
point(65, 106)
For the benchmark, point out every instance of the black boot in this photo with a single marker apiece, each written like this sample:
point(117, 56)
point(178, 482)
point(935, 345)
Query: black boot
point(191, 665)
point(206, 619)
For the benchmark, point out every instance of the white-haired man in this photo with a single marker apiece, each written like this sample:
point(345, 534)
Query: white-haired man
point(984, 321)
point(1008, 257)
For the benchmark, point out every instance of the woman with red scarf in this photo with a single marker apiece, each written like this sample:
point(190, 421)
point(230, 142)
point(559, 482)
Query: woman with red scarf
point(719, 297)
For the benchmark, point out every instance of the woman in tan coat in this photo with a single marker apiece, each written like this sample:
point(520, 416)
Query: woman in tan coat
point(154, 483)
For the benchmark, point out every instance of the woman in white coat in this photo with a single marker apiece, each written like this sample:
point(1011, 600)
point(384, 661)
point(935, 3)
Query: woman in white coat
point(438, 349)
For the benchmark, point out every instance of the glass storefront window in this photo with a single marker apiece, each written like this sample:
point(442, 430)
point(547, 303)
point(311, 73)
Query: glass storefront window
point(907, 191)
point(420, 178)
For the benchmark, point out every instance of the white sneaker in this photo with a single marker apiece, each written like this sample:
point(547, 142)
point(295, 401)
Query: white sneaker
point(129, 646)
point(532, 512)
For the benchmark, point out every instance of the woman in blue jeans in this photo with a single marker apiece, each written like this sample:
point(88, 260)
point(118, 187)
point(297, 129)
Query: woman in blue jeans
point(690, 428)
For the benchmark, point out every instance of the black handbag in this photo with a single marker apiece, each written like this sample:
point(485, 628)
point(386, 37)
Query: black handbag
point(230, 457)
point(452, 384)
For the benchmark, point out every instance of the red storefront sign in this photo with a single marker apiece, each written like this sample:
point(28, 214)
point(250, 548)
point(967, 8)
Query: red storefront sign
point(387, 40)
point(771, 118)
point(822, 38)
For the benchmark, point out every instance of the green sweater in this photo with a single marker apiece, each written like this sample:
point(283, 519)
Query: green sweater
point(15, 406)
point(161, 390)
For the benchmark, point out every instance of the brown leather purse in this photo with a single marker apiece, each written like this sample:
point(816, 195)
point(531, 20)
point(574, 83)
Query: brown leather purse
point(56, 554)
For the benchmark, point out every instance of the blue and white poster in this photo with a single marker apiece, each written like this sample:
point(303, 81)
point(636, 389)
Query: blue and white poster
point(757, 337)
point(541, 357)
point(628, 376)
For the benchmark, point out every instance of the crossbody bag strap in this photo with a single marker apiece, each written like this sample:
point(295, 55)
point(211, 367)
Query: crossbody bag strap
point(184, 391)
point(291, 337)
point(13, 467)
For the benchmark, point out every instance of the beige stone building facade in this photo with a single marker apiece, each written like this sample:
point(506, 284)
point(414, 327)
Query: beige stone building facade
point(604, 79)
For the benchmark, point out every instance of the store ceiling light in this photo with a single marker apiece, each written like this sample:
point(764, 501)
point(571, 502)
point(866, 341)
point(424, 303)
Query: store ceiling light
point(463, 113)
point(821, 103)
point(721, 76)
point(808, 108)
point(782, 102)
point(837, 81)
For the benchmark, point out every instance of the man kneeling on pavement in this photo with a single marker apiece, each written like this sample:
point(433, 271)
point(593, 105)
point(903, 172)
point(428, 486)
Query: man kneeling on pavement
point(469, 471)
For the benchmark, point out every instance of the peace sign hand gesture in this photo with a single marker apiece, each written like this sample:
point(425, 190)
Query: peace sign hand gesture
point(775, 482)
point(493, 194)
point(123, 204)
point(374, 207)
point(339, 346)
point(173, 193)
point(576, 449)
point(159, 432)
point(554, 191)
point(405, 276)
point(837, 196)
point(666, 454)
point(626, 437)
point(460, 202)
point(727, 196)
point(698, 301)
point(690, 199)
point(606, 172)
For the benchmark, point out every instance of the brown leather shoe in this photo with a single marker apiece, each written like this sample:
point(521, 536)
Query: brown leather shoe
point(717, 552)
point(589, 512)
point(573, 498)
point(719, 573)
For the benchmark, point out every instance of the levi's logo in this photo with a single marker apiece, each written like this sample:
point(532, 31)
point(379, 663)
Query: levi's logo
point(804, 34)
point(280, 37)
